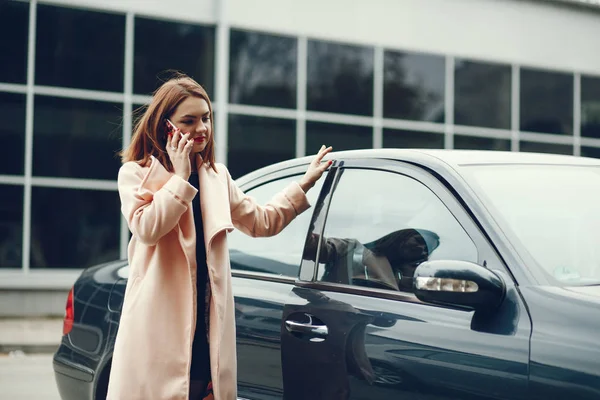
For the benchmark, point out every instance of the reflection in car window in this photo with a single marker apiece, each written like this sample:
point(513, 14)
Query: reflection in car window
point(280, 254)
point(381, 226)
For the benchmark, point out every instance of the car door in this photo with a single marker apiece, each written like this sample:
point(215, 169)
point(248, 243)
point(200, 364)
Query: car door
point(264, 271)
point(353, 329)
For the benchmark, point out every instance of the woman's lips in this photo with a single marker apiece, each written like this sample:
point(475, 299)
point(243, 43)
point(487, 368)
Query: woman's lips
point(198, 140)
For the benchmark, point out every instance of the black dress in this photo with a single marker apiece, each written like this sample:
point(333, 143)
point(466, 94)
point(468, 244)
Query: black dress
point(200, 368)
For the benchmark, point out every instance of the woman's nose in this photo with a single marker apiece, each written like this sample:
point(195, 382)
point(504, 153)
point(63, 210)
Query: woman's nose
point(201, 127)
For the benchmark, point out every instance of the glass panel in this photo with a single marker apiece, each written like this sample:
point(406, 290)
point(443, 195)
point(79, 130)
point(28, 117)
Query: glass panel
point(341, 137)
point(12, 133)
point(537, 147)
point(396, 138)
point(14, 32)
point(590, 106)
point(89, 222)
point(340, 78)
point(482, 94)
point(546, 101)
point(76, 138)
point(480, 143)
point(262, 69)
point(593, 152)
point(372, 239)
point(11, 226)
point(413, 86)
point(279, 254)
point(255, 142)
point(79, 48)
point(164, 46)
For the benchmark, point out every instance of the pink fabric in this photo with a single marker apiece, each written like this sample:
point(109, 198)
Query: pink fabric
point(151, 359)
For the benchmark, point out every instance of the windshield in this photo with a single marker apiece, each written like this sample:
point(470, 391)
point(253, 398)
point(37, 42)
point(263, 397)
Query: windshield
point(553, 211)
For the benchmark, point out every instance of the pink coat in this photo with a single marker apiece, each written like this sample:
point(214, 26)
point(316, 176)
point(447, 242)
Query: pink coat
point(152, 353)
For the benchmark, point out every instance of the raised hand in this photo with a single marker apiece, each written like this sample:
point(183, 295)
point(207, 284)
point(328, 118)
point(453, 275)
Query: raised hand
point(315, 169)
point(178, 148)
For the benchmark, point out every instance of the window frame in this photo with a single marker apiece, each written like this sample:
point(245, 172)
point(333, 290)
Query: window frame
point(255, 183)
point(486, 255)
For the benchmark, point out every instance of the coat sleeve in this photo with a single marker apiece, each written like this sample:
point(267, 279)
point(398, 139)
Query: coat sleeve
point(152, 214)
point(268, 220)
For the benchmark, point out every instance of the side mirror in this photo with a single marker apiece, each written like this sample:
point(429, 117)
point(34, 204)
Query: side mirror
point(458, 284)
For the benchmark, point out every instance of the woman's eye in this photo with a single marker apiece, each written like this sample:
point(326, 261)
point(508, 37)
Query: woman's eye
point(186, 122)
point(206, 119)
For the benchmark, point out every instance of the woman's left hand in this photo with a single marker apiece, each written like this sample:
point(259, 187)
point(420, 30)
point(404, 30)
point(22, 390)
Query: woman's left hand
point(315, 169)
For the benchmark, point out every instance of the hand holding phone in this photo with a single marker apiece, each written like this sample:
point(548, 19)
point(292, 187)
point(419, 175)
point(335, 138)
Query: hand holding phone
point(171, 128)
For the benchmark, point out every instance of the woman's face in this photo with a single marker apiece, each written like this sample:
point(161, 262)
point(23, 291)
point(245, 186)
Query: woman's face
point(193, 116)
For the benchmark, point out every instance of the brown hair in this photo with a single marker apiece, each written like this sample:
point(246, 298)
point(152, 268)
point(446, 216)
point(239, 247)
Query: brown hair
point(150, 135)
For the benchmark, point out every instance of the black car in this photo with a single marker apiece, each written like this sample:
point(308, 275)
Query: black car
point(415, 275)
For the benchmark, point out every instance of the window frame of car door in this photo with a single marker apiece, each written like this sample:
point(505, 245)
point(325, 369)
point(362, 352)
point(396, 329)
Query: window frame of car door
point(486, 255)
point(255, 182)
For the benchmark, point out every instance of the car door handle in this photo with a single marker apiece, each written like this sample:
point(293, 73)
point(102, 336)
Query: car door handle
point(307, 328)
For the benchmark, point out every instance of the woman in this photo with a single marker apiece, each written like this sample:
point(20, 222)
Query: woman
point(177, 331)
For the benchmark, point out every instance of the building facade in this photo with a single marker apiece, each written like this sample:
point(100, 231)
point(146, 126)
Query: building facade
point(285, 77)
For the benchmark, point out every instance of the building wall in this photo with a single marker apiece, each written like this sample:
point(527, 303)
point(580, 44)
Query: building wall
point(285, 76)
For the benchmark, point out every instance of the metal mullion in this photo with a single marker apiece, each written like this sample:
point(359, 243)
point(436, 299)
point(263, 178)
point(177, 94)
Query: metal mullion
point(301, 87)
point(449, 104)
point(515, 107)
point(378, 66)
point(577, 114)
point(28, 162)
point(222, 80)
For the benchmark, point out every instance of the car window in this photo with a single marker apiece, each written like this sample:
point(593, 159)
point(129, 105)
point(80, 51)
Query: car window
point(381, 226)
point(280, 254)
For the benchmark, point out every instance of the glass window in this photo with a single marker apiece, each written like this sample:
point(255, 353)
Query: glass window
point(553, 148)
point(255, 142)
point(341, 137)
point(480, 143)
point(165, 46)
point(482, 94)
point(79, 48)
point(373, 239)
point(280, 254)
point(89, 222)
point(396, 138)
point(593, 152)
point(340, 78)
point(590, 106)
point(14, 31)
point(12, 133)
point(76, 138)
point(11, 226)
point(262, 69)
point(546, 101)
point(413, 86)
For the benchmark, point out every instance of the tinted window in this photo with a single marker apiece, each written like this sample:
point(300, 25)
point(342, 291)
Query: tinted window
point(397, 138)
point(12, 133)
point(79, 48)
point(341, 137)
point(256, 142)
point(536, 147)
point(480, 143)
point(482, 94)
point(73, 228)
point(546, 101)
point(11, 226)
point(14, 31)
point(381, 226)
point(340, 78)
point(413, 86)
point(590, 106)
point(76, 138)
point(262, 69)
point(280, 254)
point(161, 46)
point(590, 152)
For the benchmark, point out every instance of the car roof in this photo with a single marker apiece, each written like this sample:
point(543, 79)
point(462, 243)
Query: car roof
point(435, 159)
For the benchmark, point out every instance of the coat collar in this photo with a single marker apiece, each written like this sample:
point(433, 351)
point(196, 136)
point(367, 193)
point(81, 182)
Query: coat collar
point(214, 195)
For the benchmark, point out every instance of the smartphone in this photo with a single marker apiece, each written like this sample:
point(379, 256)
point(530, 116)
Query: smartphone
point(171, 128)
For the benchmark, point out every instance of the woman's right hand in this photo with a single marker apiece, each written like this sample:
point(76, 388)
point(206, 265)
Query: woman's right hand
point(178, 148)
